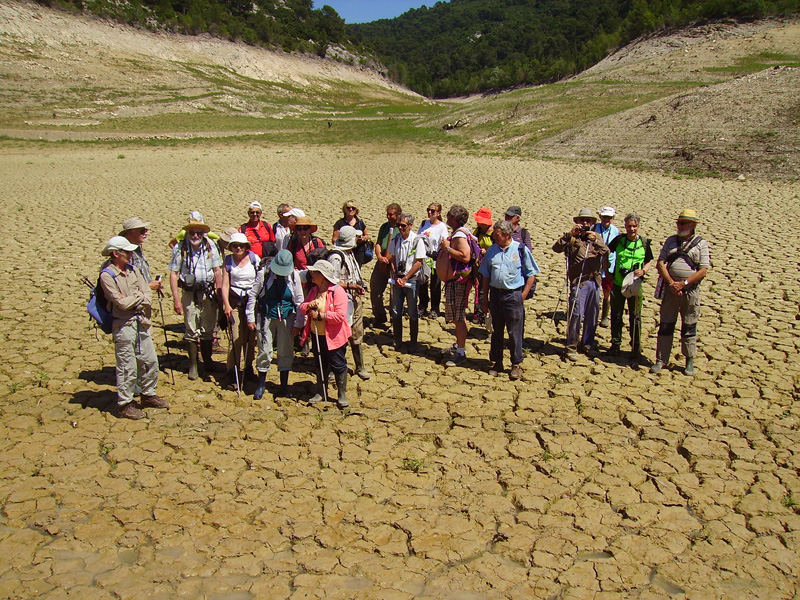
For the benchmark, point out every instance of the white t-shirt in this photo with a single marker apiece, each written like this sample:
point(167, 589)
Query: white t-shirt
point(435, 232)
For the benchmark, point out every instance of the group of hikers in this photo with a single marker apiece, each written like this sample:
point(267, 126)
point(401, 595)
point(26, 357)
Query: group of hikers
point(270, 285)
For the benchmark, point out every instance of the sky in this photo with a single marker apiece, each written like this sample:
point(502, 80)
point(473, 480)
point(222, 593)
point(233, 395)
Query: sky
point(364, 11)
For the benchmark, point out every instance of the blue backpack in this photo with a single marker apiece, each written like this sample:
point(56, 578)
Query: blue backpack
point(98, 305)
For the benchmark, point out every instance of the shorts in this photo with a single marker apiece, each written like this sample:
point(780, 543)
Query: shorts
point(455, 300)
point(607, 283)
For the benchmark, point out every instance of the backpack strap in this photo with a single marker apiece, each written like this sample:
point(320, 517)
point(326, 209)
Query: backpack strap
point(680, 253)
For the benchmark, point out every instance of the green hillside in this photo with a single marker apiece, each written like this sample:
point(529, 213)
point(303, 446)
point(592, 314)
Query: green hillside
point(468, 46)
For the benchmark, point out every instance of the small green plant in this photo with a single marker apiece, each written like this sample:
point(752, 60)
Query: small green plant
point(547, 456)
point(789, 501)
point(415, 465)
point(41, 379)
point(120, 156)
point(15, 386)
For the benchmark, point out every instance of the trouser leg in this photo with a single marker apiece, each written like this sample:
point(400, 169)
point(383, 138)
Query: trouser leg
point(617, 314)
point(377, 286)
point(147, 363)
point(690, 314)
point(436, 291)
point(264, 335)
point(125, 354)
point(591, 310)
point(498, 328)
point(668, 317)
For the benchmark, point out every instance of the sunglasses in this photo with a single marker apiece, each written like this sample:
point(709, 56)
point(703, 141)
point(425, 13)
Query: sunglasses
point(587, 221)
point(303, 227)
point(430, 210)
point(236, 247)
point(254, 212)
point(141, 230)
point(403, 226)
point(685, 222)
point(193, 233)
point(350, 207)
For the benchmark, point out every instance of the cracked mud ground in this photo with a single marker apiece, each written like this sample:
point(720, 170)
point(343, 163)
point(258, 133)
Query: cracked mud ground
point(593, 480)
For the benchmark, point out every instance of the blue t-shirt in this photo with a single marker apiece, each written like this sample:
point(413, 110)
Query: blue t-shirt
point(607, 235)
point(507, 269)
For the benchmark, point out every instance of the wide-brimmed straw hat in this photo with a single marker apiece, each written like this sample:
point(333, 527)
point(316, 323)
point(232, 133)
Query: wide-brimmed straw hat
point(347, 237)
point(226, 234)
point(326, 269)
point(301, 221)
point(118, 243)
point(239, 238)
point(282, 264)
point(196, 225)
point(688, 214)
point(631, 285)
point(585, 213)
point(483, 216)
point(133, 223)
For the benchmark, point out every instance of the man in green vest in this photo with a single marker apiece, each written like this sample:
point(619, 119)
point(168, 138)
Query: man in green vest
point(632, 254)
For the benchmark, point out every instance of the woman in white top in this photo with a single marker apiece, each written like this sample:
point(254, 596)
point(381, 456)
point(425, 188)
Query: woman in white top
point(238, 276)
point(435, 230)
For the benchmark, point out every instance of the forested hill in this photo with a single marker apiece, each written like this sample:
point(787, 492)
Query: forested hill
point(292, 25)
point(467, 46)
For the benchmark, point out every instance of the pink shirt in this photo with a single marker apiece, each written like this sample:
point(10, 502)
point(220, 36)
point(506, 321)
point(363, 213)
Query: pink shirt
point(337, 331)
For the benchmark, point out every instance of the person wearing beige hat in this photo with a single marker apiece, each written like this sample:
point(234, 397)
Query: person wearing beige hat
point(130, 300)
point(195, 278)
point(350, 217)
point(238, 275)
point(326, 310)
point(135, 230)
point(343, 259)
point(585, 251)
point(682, 264)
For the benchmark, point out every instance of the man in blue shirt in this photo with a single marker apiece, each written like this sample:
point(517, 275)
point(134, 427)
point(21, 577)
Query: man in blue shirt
point(608, 232)
point(509, 272)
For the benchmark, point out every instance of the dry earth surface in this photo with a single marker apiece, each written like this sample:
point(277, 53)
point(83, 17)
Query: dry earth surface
point(588, 480)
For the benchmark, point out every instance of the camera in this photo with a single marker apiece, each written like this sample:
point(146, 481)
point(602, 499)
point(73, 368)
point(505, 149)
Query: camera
point(434, 254)
point(585, 229)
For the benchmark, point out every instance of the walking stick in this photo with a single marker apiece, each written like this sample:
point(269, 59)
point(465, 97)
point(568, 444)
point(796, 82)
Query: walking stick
point(235, 362)
point(164, 327)
point(321, 371)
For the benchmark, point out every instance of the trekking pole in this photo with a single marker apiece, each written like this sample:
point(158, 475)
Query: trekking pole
point(164, 327)
point(321, 371)
point(235, 362)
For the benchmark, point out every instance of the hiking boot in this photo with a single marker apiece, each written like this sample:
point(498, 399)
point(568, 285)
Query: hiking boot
point(397, 333)
point(413, 326)
point(656, 367)
point(689, 368)
point(589, 351)
point(262, 383)
point(571, 354)
point(433, 314)
point(341, 386)
point(496, 369)
point(284, 389)
point(249, 373)
point(456, 360)
point(231, 381)
point(154, 402)
point(129, 411)
point(206, 349)
point(316, 398)
point(191, 350)
point(604, 318)
point(613, 350)
point(516, 373)
point(358, 357)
